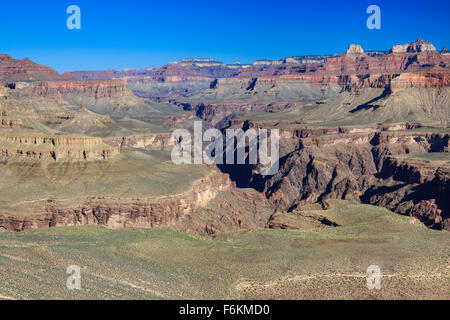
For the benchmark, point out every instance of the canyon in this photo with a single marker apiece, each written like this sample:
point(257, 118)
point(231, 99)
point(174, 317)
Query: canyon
point(87, 179)
point(366, 168)
point(92, 147)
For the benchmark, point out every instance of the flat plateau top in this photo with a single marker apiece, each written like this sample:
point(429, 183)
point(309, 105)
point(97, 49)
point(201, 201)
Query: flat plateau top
point(132, 174)
point(433, 158)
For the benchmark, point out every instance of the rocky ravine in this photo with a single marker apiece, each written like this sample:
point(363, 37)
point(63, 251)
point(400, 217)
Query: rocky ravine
point(375, 165)
point(362, 167)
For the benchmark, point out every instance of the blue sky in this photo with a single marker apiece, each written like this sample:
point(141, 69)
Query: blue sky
point(141, 33)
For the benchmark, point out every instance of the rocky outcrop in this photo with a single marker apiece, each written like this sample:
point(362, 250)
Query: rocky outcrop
point(299, 219)
point(233, 209)
point(95, 89)
point(19, 70)
point(420, 80)
point(214, 112)
point(354, 69)
point(117, 213)
point(362, 167)
point(267, 62)
point(309, 175)
point(417, 190)
point(435, 78)
point(198, 62)
point(355, 50)
point(109, 97)
point(420, 46)
point(12, 124)
point(54, 149)
point(146, 142)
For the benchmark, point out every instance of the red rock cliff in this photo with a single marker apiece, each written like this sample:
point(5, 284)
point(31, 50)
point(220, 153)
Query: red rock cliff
point(17, 70)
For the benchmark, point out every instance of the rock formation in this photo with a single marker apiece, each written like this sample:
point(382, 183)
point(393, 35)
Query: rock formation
point(54, 148)
point(355, 50)
point(145, 142)
point(118, 213)
point(420, 46)
point(362, 167)
point(353, 126)
point(17, 70)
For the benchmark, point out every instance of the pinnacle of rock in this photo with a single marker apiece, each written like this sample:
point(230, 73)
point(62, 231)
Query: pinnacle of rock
point(355, 49)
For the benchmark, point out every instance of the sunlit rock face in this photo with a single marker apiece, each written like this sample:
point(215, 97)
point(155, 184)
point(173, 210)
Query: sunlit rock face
point(14, 70)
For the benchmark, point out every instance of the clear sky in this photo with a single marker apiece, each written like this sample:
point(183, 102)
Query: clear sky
point(141, 33)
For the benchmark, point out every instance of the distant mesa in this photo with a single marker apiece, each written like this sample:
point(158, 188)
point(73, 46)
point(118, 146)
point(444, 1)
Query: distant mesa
point(445, 51)
point(65, 149)
point(150, 68)
point(199, 62)
point(292, 60)
point(26, 70)
point(340, 68)
point(267, 62)
point(420, 46)
point(238, 65)
point(312, 59)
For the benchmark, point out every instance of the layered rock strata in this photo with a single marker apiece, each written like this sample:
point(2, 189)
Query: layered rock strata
point(55, 148)
point(118, 213)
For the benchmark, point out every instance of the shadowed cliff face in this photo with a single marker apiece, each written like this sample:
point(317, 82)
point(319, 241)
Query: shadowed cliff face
point(369, 165)
point(365, 169)
point(419, 190)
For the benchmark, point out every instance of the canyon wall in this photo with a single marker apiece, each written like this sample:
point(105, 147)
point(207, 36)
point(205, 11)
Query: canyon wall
point(363, 167)
point(118, 213)
point(54, 148)
point(146, 141)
